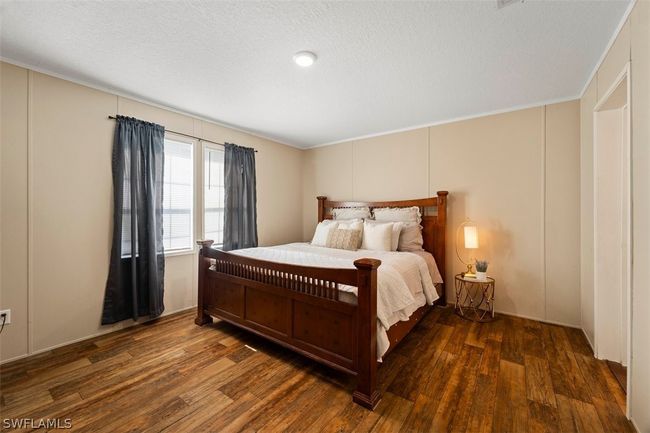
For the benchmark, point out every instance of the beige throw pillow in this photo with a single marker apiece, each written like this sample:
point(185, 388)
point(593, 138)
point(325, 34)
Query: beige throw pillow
point(410, 239)
point(355, 224)
point(344, 239)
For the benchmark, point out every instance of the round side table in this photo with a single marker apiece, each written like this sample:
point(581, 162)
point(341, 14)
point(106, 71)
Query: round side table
point(475, 298)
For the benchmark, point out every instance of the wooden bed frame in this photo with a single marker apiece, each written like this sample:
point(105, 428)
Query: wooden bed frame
point(298, 306)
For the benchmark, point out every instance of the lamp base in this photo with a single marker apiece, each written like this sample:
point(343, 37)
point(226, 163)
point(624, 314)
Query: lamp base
point(469, 275)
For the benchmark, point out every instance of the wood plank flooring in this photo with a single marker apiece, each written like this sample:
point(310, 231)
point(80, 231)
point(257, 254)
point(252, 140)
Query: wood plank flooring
point(620, 373)
point(448, 375)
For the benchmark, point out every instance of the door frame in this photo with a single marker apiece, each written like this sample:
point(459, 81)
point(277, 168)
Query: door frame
point(627, 216)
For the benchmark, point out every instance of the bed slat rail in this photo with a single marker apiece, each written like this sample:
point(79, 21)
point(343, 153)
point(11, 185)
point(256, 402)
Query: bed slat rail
point(318, 287)
point(268, 272)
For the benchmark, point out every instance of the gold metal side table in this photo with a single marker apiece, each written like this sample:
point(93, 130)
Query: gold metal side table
point(475, 298)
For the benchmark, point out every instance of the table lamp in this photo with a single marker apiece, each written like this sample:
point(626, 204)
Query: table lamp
point(470, 238)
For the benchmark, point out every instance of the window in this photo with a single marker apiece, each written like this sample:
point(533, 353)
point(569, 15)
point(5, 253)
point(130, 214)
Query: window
point(213, 194)
point(178, 196)
point(178, 199)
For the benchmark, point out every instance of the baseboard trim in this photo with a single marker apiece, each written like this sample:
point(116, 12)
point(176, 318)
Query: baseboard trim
point(588, 340)
point(537, 319)
point(98, 334)
point(37, 352)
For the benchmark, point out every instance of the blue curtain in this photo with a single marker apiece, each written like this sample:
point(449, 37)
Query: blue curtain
point(135, 278)
point(240, 220)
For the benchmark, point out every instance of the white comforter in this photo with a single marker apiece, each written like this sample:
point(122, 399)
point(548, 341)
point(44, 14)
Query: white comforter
point(404, 280)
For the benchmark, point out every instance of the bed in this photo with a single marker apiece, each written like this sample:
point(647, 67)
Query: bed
point(331, 306)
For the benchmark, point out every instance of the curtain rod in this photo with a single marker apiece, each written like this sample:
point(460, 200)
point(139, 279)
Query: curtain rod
point(185, 135)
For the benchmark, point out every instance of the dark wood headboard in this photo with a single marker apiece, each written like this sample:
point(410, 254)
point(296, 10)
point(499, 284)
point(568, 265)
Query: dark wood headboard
point(434, 220)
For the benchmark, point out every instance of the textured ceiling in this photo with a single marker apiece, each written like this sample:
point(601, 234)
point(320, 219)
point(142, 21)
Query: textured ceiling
point(381, 66)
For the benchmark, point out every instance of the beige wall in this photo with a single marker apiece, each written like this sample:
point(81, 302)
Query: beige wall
point(562, 213)
point(587, 104)
point(516, 174)
point(382, 170)
point(57, 206)
point(631, 45)
point(13, 208)
point(492, 167)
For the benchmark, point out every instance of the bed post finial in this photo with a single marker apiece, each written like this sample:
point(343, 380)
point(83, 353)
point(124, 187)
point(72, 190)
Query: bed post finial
point(206, 243)
point(321, 207)
point(442, 207)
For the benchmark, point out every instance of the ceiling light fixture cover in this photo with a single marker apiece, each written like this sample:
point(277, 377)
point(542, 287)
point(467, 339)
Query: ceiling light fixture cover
point(304, 58)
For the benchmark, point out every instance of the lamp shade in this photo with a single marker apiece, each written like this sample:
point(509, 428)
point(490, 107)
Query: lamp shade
point(471, 237)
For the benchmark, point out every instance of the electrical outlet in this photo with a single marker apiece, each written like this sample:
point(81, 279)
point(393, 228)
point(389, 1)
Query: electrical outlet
point(7, 319)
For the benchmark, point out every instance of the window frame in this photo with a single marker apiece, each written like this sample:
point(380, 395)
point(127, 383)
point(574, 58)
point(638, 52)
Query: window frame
point(193, 218)
point(206, 146)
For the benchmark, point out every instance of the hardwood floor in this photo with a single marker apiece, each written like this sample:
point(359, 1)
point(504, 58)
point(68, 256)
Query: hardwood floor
point(512, 375)
point(620, 373)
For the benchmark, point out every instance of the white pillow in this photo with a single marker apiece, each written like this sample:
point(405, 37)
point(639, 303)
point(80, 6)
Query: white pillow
point(395, 234)
point(354, 224)
point(410, 238)
point(322, 232)
point(348, 213)
point(397, 230)
point(404, 214)
point(377, 237)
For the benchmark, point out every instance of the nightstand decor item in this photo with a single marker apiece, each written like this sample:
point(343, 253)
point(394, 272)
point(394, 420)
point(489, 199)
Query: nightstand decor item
point(470, 241)
point(474, 298)
point(481, 270)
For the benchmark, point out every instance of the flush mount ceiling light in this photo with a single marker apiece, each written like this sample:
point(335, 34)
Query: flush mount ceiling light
point(304, 58)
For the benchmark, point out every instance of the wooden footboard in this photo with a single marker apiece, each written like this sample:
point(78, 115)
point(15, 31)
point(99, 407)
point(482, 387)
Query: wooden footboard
point(299, 308)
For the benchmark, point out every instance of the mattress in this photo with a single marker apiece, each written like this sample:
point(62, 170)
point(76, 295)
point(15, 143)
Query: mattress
point(405, 280)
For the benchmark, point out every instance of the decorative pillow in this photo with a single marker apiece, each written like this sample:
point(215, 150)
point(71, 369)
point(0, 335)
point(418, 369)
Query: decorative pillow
point(348, 213)
point(404, 214)
point(377, 237)
point(344, 239)
point(397, 229)
point(356, 224)
point(410, 238)
point(322, 232)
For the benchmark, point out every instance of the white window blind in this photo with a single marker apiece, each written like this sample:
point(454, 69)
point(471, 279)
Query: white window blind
point(126, 213)
point(213, 195)
point(178, 196)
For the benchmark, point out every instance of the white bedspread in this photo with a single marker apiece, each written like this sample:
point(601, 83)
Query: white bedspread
point(404, 280)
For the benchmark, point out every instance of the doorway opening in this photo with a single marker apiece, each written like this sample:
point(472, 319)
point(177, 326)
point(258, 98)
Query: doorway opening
point(613, 226)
